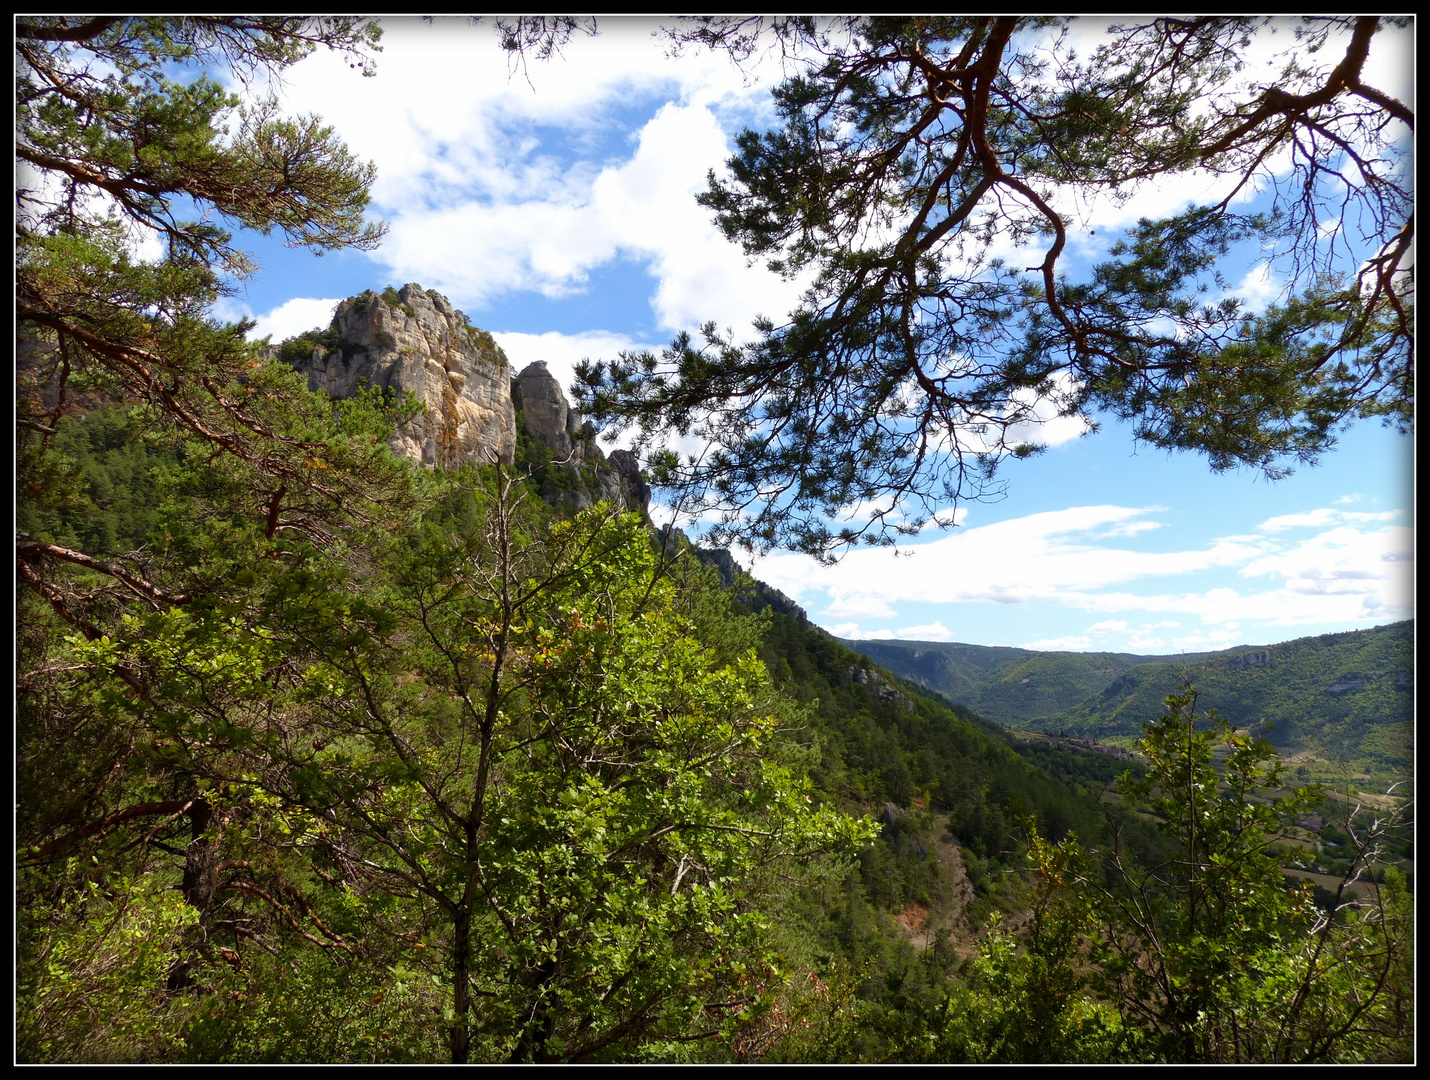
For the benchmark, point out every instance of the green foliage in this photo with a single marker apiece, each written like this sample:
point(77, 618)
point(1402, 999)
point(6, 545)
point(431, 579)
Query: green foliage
point(1025, 1000)
point(575, 807)
point(104, 494)
point(322, 757)
point(113, 150)
point(882, 741)
point(314, 1009)
point(1337, 700)
point(906, 372)
point(1344, 699)
point(91, 975)
point(1212, 955)
point(298, 350)
point(391, 298)
point(98, 112)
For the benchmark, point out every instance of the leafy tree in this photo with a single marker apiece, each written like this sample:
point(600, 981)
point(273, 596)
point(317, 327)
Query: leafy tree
point(143, 657)
point(490, 766)
point(1213, 955)
point(587, 794)
point(1026, 1000)
point(915, 155)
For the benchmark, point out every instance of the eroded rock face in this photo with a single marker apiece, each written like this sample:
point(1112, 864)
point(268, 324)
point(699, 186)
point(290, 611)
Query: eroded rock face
point(415, 341)
point(426, 347)
point(551, 421)
point(633, 486)
point(543, 406)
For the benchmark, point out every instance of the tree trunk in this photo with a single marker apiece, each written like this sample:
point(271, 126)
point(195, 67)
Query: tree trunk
point(461, 986)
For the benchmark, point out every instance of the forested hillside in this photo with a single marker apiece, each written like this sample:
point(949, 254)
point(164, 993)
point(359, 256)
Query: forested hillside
point(1339, 700)
point(1004, 684)
point(361, 726)
point(255, 853)
point(1343, 698)
point(206, 762)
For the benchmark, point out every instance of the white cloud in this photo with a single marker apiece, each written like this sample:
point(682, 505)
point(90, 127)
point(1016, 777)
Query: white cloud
point(562, 352)
point(1279, 607)
point(648, 204)
point(848, 630)
point(1345, 561)
point(1324, 516)
point(490, 187)
point(1045, 423)
point(1128, 528)
point(1346, 575)
point(1074, 643)
point(1310, 519)
point(946, 519)
point(1259, 287)
point(1035, 557)
point(294, 317)
point(858, 607)
point(1207, 641)
point(1142, 643)
point(932, 632)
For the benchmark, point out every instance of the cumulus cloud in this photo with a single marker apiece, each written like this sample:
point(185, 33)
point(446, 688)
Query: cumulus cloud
point(1259, 287)
point(1345, 561)
point(562, 352)
point(1046, 423)
point(1324, 516)
point(1206, 641)
point(858, 607)
point(490, 187)
point(932, 632)
point(1144, 643)
point(1033, 557)
point(1347, 574)
point(294, 317)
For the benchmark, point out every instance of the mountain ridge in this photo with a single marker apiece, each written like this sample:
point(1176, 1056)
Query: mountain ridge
point(1338, 697)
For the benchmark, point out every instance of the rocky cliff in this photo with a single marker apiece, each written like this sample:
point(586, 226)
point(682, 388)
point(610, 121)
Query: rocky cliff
point(412, 340)
point(586, 475)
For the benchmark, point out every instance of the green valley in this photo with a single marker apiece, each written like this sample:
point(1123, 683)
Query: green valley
point(1339, 704)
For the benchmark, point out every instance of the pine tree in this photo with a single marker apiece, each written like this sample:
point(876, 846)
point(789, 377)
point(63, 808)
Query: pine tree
point(914, 156)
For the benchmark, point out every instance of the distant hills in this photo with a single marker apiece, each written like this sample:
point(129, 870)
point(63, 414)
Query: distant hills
point(1344, 698)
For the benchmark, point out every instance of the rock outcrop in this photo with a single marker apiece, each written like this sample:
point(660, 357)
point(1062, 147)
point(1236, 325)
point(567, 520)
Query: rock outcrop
point(549, 420)
point(413, 340)
point(579, 474)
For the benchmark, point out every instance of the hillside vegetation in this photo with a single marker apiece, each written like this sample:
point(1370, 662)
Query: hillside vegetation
point(334, 744)
point(1336, 702)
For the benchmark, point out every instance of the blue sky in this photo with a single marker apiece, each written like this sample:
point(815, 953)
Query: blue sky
point(559, 214)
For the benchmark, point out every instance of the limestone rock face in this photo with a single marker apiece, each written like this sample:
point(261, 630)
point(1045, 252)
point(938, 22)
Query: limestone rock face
point(538, 396)
point(633, 485)
point(426, 347)
point(592, 477)
point(414, 340)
